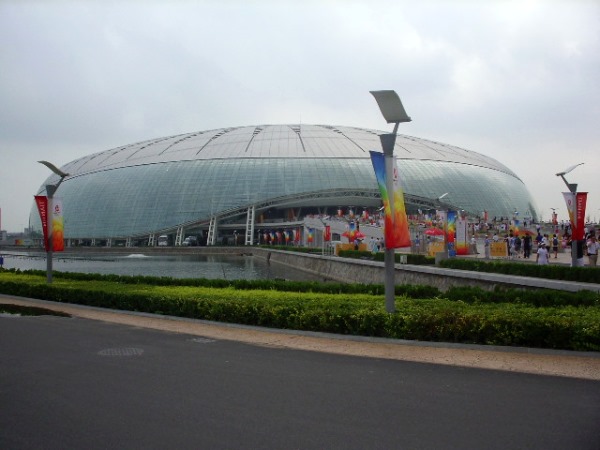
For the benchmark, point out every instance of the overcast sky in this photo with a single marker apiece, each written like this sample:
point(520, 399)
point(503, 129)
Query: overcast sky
point(515, 80)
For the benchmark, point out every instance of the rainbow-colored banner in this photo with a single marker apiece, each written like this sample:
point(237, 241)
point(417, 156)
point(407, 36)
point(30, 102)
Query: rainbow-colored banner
point(311, 235)
point(516, 226)
point(395, 228)
point(451, 232)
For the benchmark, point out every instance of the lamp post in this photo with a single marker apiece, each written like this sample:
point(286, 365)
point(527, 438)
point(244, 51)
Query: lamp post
point(393, 112)
point(50, 191)
point(439, 200)
point(576, 245)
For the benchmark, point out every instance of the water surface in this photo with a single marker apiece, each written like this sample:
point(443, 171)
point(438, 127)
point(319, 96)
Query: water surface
point(228, 267)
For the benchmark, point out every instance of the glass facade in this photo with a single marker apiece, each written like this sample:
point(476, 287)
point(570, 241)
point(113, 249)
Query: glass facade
point(157, 185)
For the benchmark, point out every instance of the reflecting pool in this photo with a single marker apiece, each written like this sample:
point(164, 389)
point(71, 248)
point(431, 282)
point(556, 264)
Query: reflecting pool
point(228, 267)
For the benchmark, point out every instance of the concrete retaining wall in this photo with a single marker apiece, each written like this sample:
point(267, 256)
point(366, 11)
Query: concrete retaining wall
point(347, 270)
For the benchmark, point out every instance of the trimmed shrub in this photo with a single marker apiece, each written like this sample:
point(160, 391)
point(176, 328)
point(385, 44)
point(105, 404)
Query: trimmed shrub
point(437, 319)
point(551, 271)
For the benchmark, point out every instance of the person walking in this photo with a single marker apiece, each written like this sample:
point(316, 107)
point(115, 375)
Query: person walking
point(593, 247)
point(555, 246)
point(542, 257)
point(527, 246)
point(486, 246)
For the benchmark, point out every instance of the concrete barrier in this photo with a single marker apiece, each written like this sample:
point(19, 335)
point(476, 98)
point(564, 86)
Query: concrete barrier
point(346, 270)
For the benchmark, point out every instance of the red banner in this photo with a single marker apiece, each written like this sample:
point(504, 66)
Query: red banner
point(581, 200)
point(327, 233)
point(576, 208)
point(42, 205)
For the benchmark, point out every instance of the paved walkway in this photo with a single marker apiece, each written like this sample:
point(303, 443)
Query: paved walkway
point(563, 257)
point(584, 365)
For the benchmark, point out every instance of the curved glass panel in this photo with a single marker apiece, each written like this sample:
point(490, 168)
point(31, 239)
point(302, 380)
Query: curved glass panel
point(156, 185)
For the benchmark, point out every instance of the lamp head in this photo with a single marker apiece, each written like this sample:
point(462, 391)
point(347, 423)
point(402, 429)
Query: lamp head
point(390, 106)
point(54, 169)
point(567, 170)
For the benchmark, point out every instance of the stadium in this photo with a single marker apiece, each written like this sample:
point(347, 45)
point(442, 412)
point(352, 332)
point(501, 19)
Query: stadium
point(241, 180)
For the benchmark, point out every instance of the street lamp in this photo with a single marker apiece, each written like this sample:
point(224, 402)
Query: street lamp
point(441, 205)
point(50, 190)
point(576, 245)
point(393, 112)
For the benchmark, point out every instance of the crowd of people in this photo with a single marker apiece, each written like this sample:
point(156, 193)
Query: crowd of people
point(546, 246)
point(527, 240)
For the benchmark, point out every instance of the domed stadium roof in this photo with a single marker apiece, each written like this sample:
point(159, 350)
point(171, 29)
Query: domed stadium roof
point(161, 184)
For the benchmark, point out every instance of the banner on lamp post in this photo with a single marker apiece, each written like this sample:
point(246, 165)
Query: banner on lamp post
point(451, 232)
point(570, 201)
point(42, 205)
point(327, 233)
point(462, 245)
point(580, 203)
point(576, 203)
point(395, 225)
point(58, 225)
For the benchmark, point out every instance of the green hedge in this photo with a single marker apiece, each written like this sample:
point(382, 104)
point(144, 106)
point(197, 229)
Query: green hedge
point(276, 285)
point(411, 258)
point(537, 297)
point(550, 271)
point(566, 327)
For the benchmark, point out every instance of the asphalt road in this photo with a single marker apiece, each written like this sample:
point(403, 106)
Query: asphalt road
point(73, 383)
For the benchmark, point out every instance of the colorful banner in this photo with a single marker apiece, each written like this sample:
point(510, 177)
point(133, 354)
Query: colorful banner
point(581, 201)
point(42, 206)
point(462, 246)
point(570, 201)
point(451, 232)
point(576, 207)
point(311, 235)
point(395, 228)
point(58, 225)
point(516, 226)
point(327, 233)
